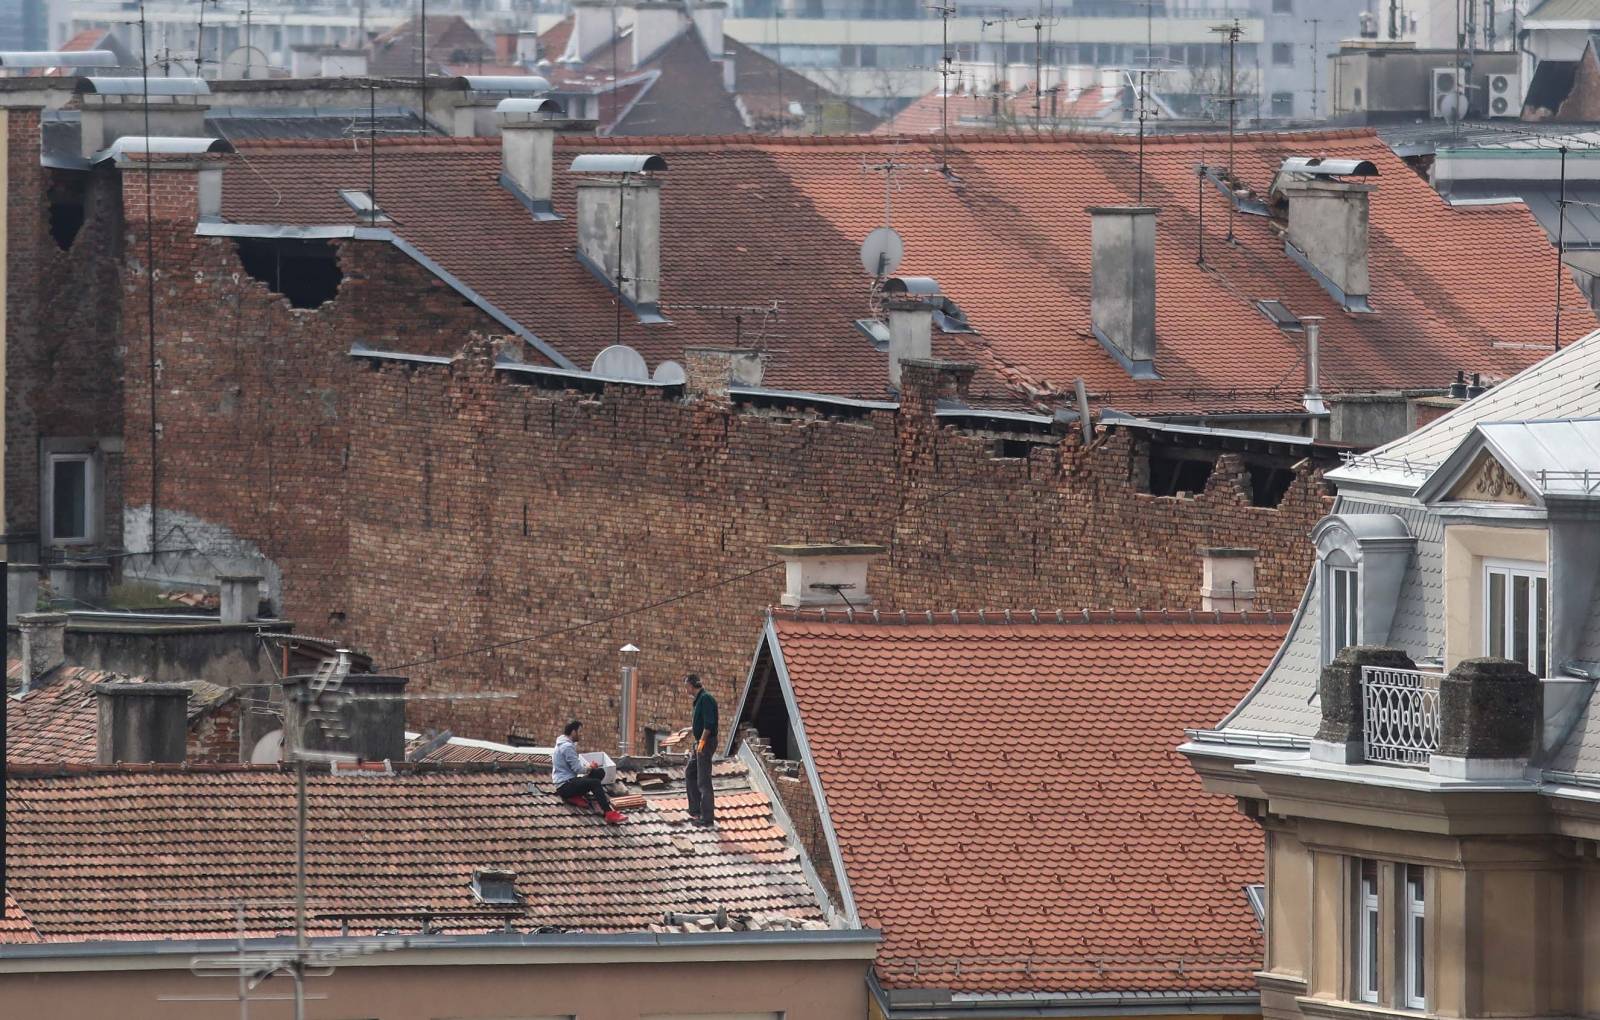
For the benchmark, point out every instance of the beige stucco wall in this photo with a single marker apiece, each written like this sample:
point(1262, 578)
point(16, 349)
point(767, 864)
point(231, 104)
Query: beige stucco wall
point(1466, 546)
point(1288, 905)
point(809, 990)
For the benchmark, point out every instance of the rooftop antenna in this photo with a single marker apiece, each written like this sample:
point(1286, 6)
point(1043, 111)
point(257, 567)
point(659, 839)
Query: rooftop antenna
point(945, 13)
point(1231, 33)
point(1039, 23)
point(777, 64)
point(422, 30)
point(200, 41)
point(1000, 54)
point(149, 273)
point(1316, 58)
point(1561, 241)
point(372, 152)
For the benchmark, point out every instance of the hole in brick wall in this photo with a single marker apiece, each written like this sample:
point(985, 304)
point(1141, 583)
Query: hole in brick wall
point(1268, 485)
point(1172, 472)
point(67, 196)
point(1016, 449)
point(305, 272)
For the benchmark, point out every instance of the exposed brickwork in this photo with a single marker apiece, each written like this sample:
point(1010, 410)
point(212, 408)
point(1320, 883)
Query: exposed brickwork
point(254, 423)
point(214, 737)
point(793, 788)
point(482, 510)
point(63, 359)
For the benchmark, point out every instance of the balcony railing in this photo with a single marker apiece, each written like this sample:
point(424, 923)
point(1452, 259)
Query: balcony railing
point(1401, 715)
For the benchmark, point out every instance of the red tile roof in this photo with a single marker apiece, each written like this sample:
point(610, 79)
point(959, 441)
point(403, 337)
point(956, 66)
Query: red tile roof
point(57, 721)
point(14, 924)
point(748, 220)
point(165, 851)
point(1010, 807)
point(978, 111)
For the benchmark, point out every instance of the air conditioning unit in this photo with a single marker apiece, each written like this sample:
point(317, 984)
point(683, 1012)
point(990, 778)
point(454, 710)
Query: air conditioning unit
point(1503, 96)
point(1446, 99)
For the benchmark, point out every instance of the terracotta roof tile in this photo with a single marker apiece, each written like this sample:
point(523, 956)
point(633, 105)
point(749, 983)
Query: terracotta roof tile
point(749, 220)
point(1011, 809)
point(158, 852)
point(56, 722)
point(14, 924)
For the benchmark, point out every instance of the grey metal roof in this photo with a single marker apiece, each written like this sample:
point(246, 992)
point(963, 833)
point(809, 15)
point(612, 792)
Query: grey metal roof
point(1284, 701)
point(1560, 386)
point(528, 104)
point(1419, 138)
point(1559, 458)
point(242, 123)
point(1543, 199)
point(58, 58)
point(1565, 10)
point(616, 163)
point(144, 86)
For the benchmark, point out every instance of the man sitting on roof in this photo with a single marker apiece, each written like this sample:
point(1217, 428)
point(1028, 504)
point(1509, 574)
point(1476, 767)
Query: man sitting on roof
point(576, 781)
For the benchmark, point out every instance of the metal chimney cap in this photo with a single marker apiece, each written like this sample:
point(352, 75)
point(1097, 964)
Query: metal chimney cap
point(629, 648)
point(615, 163)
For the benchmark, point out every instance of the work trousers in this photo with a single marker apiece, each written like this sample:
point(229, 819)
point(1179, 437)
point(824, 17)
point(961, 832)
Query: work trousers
point(697, 777)
point(592, 786)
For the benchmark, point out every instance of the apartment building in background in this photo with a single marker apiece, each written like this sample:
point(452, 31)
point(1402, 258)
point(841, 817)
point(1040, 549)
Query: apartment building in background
point(1423, 754)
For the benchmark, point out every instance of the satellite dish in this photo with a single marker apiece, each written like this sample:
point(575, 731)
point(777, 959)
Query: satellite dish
point(1451, 106)
point(268, 750)
point(244, 62)
point(882, 251)
point(669, 372)
point(620, 361)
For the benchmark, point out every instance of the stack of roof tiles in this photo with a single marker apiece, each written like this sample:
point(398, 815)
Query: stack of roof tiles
point(749, 220)
point(1009, 805)
point(169, 852)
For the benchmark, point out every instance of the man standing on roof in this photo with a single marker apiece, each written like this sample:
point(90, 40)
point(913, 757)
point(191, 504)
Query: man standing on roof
point(697, 777)
point(577, 782)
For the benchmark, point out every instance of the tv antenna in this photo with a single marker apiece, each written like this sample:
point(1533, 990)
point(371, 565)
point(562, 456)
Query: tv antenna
point(1230, 34)
point(946, 11)
point(1316, 58)
point(200, 41)
point(1039, 23)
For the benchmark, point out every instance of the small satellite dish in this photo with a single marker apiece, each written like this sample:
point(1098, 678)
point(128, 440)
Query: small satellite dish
point(619, 361)
point(244, 62)
point(669, 373)
point(1451, 106)
point(882, 251)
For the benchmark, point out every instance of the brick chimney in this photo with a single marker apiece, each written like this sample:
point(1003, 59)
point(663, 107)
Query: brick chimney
point(241, 597)
point(141, 722)
point(43, 639)
point(655, 23)
point(1328, 236)
point(709, 371)
point(619, 225)
point(829, 575)
point(528, 130)
point(367, 717)
point(1123, 290)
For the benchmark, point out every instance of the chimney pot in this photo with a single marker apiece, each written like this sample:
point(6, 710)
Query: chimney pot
point(829, 575)
point(241, 597)
point(1327, 234)
point(1123, 290)
point(141, 722)
point(910, 335)
point(1227, 580)
point(43, 639)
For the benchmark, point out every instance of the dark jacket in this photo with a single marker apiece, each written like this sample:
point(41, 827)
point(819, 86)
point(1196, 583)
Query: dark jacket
point(705, 714)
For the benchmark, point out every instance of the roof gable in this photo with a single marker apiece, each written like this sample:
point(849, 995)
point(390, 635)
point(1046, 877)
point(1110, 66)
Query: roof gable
point(1024, 824)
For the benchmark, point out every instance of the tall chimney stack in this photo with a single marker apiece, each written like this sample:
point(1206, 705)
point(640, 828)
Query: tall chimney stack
point(628, 700)
point(141, 722)
point(1328, 235)
point(528, 129)
point(619, 225)
point(1123, 291)
point(43, 639)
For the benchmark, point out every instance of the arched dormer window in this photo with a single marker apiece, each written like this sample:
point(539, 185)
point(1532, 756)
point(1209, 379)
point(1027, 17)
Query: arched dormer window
point(1361, 560)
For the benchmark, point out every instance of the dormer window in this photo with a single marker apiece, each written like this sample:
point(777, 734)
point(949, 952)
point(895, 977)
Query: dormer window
point(1361, 562)
point(495, 886)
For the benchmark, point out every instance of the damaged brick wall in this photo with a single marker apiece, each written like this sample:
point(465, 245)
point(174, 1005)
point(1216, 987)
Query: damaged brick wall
point(214, 737)
point(64, 358)
point(253, 445)
point(793, 788)
point(482, 510)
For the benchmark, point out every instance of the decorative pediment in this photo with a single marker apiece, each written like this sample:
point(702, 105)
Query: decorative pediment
point(1488, 481)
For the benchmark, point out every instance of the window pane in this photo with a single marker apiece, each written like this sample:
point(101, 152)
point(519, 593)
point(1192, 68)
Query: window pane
point(1419, 988)
point(1497, 614)
point(1338, 611)
point(69, 499)
point(1540, 608)
point(1519, 617)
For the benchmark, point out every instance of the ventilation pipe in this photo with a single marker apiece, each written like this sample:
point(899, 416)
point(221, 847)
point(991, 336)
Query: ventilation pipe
point(1312, 324)
point(1123, 289)
point(628, 699)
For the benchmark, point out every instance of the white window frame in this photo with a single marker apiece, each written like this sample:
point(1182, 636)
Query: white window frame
point(1337, 629)
point(87, 459)
point(1538, 617)
point(1413, 939)
point(1369, 932)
